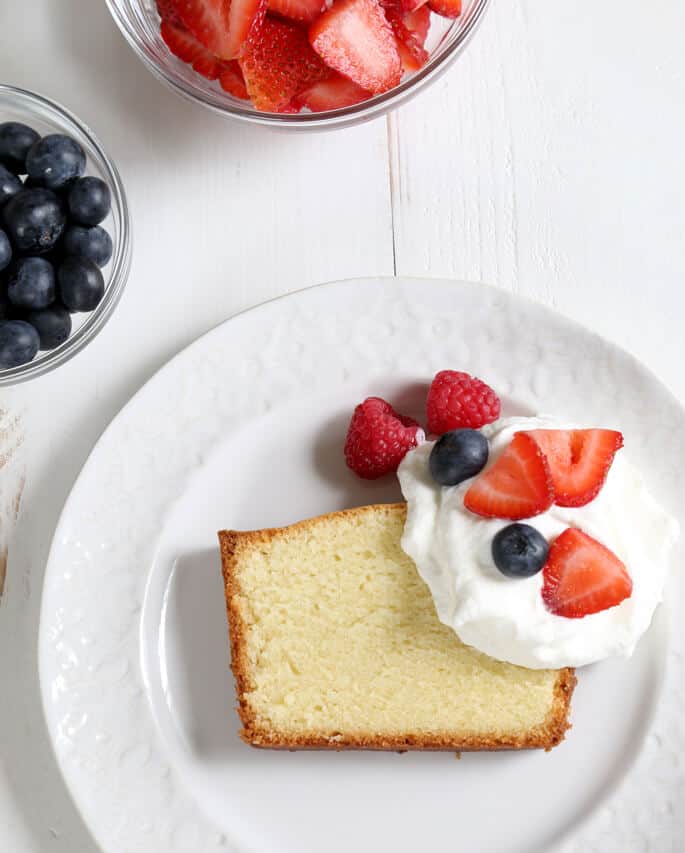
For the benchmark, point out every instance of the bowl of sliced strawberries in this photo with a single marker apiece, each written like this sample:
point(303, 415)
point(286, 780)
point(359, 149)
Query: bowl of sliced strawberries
point(309, 64)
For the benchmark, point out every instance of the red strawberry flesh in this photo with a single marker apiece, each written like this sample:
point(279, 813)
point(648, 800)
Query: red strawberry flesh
point(222, 26)
point(333, 93)
point(579, 461)
point(410, 31)
point(298, 10)
point(278, 63)
point(446, 8)
point(582, 576)
point(518, 485)
point(183, 44)
point(354, 38)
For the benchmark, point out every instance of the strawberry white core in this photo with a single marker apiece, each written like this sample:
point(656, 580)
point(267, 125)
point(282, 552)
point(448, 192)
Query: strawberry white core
point(506, 618)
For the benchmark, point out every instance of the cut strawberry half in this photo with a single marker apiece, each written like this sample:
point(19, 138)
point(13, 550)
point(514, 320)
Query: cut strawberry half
point(518, 485)
point(355, 39)
point(185, 46)
point(579, 461)
point(581, 576)
point(410, 30)
point(446, 8)
point(232, 80)
point(419, 21)
point(278, 63)
point(222, 26)
point(333, 93)
point(298, 10)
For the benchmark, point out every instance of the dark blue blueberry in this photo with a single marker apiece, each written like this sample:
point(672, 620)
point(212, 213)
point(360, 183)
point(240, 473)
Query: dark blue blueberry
point(10, 184)
point(92, 243)
point(54, 160)
point(31, 283)
point(458, 455)
point(5, 250)
point(81, 284)
point(6, 308)
point(15, 141)
point(19, 343)
point(89, 200)
point(34, 220)
point(519, 551)
point(53, 325)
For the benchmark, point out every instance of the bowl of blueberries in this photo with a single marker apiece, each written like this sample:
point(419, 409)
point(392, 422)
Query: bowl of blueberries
point(65, 244)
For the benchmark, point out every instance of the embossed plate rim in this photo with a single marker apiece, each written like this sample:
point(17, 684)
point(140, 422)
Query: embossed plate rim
point(65, 681)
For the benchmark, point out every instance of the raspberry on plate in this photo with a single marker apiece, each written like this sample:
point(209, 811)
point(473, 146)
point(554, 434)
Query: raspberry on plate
point(579, 460)
point(378, 438)
point(457, 400)
point(582, 576)
point(517, 486)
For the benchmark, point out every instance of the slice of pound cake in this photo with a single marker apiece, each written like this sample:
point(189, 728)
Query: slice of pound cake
point(336, 645)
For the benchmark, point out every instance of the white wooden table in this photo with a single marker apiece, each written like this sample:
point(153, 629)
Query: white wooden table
point(548, 161)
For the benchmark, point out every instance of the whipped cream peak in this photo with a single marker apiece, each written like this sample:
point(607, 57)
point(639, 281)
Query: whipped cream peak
point(506, 618)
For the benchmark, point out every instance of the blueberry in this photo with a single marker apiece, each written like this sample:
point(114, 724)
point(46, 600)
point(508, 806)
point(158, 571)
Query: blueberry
point(53, 325)
point(15, 141)
point(5, 250)
point(81, 284)
point(458, 455)
point(519, 551)
point(6, 307)
point(10, 184)
point(34, 220)
point(19, 343)
point(92, 243)
point(54, 160)
point(89, 200)
point(31, 283)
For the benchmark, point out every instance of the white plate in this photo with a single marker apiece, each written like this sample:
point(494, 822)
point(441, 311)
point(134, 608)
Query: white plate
point(245, 429)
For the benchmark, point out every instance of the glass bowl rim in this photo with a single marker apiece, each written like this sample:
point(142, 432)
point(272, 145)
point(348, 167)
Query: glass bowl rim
point(343, 117)
point(121, 259)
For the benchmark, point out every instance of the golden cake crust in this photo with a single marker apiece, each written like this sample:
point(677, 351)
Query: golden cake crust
point(233, 544)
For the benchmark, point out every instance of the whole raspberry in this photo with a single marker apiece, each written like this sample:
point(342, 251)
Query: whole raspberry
point(378, 438)
point(458, 400)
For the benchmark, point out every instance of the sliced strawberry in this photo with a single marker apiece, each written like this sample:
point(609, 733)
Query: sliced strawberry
point(222, 26)
point(185, 46)
point(298, 10)
point(355, 39)
point(333, 93)
point(581, 576)
point(446, 8)
point(579, 461)
point(419, 21)
point(405, 6)
point(167, 11)
point(412, 5)
point(278, 63)
point(232, 80)
point(410, 31)
point(517, 486)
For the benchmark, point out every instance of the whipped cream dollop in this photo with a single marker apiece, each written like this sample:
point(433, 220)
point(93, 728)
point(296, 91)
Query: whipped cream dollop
point(506, 618)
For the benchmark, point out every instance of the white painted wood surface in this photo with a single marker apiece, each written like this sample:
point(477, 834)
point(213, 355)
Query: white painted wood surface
point(548, 161)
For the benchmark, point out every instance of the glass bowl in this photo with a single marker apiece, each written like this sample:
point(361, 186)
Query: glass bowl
point(46, 116)
point(138, 20)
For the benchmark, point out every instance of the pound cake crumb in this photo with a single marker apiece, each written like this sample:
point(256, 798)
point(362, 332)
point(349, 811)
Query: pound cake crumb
point(336, 644)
